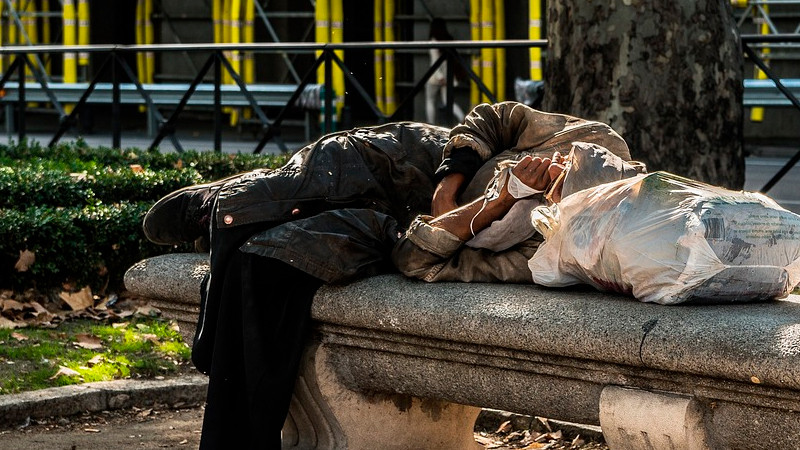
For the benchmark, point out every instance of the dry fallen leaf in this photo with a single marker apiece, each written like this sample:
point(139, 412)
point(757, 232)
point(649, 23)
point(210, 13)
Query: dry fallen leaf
point(88, 341)
point(12, 305)
point(136, 168)
point(25, 261)
point(78, 300)
point(147, 310)
point(9, 324)
point(65, 371)
point(504, 427)
point(19, 336)
point(96, 359)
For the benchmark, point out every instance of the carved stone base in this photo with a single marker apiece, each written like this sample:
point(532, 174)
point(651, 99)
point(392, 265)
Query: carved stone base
point(326, 415)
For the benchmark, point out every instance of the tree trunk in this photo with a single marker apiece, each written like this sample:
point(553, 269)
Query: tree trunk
point(666, 75)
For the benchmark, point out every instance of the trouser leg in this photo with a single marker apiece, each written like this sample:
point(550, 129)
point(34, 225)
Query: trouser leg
point(262, 327)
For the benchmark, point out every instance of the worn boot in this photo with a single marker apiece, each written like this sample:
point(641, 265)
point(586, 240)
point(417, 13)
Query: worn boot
point(182, 216)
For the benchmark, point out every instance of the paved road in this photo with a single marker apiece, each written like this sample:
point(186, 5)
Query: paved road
point(786, 192)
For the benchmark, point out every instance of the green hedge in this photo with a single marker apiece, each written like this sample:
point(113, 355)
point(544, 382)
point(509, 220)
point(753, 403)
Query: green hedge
point(79, 209)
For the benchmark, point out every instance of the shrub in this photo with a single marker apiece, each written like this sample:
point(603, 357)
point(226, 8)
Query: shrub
point(78, 210)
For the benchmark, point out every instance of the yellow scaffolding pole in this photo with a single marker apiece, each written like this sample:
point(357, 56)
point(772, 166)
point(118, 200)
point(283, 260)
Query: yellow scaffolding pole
point(236, 55)
point(46, 32)
point(337, 36)
point(226, 38)
point(29, 24)
point(534, 33)
point(248, 36)
point(380, 95)
point(322, 34)
point(388, 56)
point(70, 61)
point(500, 53)
point(487, 54)
point(757, 112)
point(2, 36)
point(141, 62)
point(83, 30)
point(12, 27)
point(216, 18)
point(475, 35)
point(150, 57)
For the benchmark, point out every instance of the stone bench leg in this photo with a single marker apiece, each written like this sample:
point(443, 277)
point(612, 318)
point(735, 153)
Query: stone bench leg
point(637, 419)
point(326, 415)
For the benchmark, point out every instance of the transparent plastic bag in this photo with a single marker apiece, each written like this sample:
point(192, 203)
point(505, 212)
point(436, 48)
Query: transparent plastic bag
point(667, 239)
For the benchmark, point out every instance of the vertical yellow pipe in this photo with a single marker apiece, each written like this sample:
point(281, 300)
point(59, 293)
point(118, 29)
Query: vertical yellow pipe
point(70, 62)
point(322, 20)
point(29, 24)
point(757, 112)
point(475, 35)
point(388, 56)
point(337, 36)
point(236, 55)
point(534, 33)
point(12, 27)
point(140, 62)
point(322, 32)
point(83, 30)
point(46, 32)
point(487, 54)
point(500, 53)
point(150, 57)
point(226, 36)
point(248, 36)
point(216, 18)
point(377, 17)
point(2, 35)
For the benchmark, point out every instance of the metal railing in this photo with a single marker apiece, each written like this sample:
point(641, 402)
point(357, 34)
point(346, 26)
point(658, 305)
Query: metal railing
point(749, 40)
point(115, 63)
point(327, 58)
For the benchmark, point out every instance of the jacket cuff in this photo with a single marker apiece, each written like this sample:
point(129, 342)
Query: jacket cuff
point(432, 239)
point(462, 160)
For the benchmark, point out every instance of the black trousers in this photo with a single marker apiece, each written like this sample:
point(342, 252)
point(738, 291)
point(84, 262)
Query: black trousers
point(253, 327)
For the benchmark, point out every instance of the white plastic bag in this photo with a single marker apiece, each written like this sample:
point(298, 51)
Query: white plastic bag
point(668, 239)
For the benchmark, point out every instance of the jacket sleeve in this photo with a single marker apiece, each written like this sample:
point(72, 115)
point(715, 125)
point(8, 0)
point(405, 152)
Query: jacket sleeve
point(491, 129)
point(434, 254)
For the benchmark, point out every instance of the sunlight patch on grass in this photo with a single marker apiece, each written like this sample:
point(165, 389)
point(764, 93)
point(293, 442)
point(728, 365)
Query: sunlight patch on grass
point(83, 351)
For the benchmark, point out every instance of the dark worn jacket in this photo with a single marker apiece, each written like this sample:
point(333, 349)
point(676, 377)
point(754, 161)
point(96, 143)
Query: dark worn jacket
point(337, 208)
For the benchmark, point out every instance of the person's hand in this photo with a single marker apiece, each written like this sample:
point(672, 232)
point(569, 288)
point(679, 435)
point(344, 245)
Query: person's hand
point(555, 170)
point(533, 171)
point(446, 193)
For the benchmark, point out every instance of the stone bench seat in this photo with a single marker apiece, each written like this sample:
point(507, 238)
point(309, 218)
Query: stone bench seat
point(399, 363)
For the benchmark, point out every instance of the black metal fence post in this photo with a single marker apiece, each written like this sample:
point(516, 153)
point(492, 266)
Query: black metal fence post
point(217, 103)
point(21, 103)
point(116, 123)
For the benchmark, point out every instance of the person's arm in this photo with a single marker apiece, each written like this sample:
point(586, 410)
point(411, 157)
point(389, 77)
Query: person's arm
point(432, 249)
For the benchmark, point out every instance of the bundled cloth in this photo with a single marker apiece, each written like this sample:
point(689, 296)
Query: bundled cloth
point(663, 238)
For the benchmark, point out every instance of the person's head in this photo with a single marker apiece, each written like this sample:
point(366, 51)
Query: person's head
point(439, 31)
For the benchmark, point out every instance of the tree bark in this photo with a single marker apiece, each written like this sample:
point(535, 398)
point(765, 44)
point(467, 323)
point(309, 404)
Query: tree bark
point(666, 75)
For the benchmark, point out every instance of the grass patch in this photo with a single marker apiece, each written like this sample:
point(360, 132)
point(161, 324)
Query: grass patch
point(82, 351)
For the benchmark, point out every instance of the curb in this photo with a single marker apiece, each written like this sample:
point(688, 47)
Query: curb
point(184, 391)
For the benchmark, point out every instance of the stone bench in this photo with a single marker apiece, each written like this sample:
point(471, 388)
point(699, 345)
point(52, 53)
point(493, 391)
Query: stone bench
point(403, 364)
